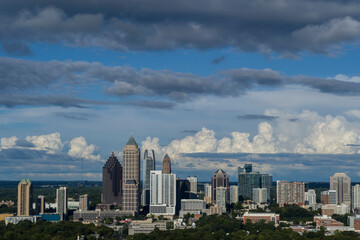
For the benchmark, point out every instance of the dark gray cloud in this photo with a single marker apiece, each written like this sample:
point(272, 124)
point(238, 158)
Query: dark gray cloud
point(294, 120)
point(58, 83)
point(219, 59)
point(257, 117)
point(263, 26)
point(75, 115)
point(190, 131)
point(24, 143)
point(16, 49)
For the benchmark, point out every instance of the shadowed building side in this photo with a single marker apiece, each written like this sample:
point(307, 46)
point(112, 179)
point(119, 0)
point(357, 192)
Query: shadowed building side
point(112, 182)
point(166, 165)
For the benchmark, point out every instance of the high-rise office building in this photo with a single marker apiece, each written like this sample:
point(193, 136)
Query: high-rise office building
point(234, 196)
point(166, 165)
point(148, 166)
point(260, 195)
point(83, 202)
point(219, 179)
point(221, 197)
point(266, 182)
point(112, 182)
point(247, 180)
point(342, 184)
point(131, 176)
point(182, 192)
point(61, 202)
point(290, 193)
point(162, 193)
point(310, 196)
point(193, 185)
point(25, 192)
point(355, 199)
point(329, 197)
point(207, 193)
point(40, 205)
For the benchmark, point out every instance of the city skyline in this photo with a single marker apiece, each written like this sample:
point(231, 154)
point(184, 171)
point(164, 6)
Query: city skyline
point(212, 85)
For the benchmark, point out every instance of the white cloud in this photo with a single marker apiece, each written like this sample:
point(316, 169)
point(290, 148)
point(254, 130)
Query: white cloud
point(8, 142)
point(51, 143)
point(80, 148)
point(345, 78)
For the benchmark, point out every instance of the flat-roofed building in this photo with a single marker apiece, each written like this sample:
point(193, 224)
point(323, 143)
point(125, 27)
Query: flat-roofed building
point(146, 226)
point(290, 193)
point(266, 217)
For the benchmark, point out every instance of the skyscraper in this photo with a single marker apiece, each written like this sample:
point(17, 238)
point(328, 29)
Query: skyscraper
point(148, 166)
point(290, 193)
point(193, 185)
point(112, 182)
point(61, 202)
point(221, 197)
point(355, 203)
point(162, 193)
point(234, 196)
point(247, 180)
point(166, 165)
point(25, 192)
point(83, 202)
point(259, 195)
point(342, 184)
point(328, 197)
point(219, 179)
point(40, 205)
point(310, 196)
point(266, 182)
point(131, 176)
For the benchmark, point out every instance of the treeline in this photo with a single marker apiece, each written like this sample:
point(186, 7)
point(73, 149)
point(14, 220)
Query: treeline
point(224, 227)
point(26, 230)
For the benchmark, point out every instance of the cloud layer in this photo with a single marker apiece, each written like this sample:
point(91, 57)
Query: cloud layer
point(262, 26)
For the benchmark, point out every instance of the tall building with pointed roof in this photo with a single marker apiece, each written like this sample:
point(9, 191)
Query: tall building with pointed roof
point(112, 182)
point(25, 192)
point(166, 165)
point(219, 179)
point(131, 176)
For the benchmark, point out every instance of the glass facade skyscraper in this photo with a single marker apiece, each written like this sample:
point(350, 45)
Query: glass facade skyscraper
point(148, 166)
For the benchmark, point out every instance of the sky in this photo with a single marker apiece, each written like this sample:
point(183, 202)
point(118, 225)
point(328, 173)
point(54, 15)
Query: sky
point(215, 84)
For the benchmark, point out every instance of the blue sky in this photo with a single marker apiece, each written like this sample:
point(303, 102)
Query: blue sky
point(231, 77)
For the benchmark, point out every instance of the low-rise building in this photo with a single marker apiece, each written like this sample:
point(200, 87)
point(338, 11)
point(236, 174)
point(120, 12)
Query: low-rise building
point(146, 226)
point(256, 217)
point(5, 215)
point(90, 216)
point(330, 209)
point(215, 210)
point(354, 222)
point(192, 206)
point(16, 220)
point(326, 221)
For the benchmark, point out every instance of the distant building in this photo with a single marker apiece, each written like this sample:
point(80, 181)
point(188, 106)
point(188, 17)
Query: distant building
point(234, 196)
point(221, 200)
point(219, 179)
point(40, 205)
point(266, 217)
point(162, 193)
point(193, 184)
point(329, 197)
point(354, 222)
point(61, 202)
point(260, 195)
point(148, 166)
point(112, 182)
point(17, 219)
point(330, 209)
point(207, 190)
point(84, 202)
point(25, 192)
point(145, 226)
point(310, 196)
point(216, 210)
point(248, 180)
point(182, 192)
point(192, 206)
point(131, 176)
point(290, 193)
point(96, 215)
point(326, 221)
point(342, 184)
point(166, 165)
point(355, 198)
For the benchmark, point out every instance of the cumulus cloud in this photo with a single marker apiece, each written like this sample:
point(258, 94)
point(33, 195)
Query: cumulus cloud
point(50, 143)
point(342, 77)
point(8, 142)
point(81, 149)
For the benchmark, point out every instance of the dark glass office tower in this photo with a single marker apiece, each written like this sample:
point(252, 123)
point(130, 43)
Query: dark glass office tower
point(112, 182)
point(148, 165)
